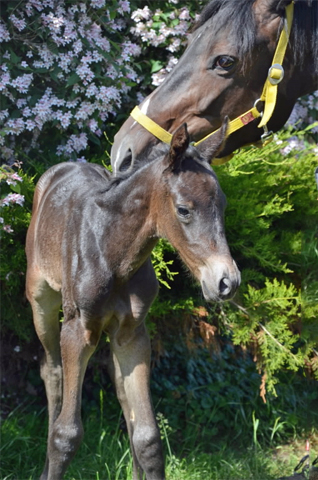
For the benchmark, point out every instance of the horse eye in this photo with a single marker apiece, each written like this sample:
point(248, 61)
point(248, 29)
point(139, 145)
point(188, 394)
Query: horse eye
point(183, 212)
point(225, 62)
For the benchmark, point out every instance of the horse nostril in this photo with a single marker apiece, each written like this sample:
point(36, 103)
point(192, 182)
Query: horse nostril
point(225, 286)
point(126, 161)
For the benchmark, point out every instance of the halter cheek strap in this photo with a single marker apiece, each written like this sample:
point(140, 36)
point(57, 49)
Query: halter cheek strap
point(268, 96)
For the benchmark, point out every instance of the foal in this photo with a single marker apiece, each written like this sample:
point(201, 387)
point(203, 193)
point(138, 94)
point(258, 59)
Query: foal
point(88, 248)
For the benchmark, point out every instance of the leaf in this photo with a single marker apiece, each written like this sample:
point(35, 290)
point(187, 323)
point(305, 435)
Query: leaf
point(14, 58)
point(93, 138)
point(156, 65)
point(72, 80)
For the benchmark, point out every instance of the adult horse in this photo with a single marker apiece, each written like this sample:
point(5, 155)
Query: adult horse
point(88, 248)
point(225, 70)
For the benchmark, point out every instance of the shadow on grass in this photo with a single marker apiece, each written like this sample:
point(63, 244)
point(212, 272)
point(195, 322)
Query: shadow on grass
point(105, 455)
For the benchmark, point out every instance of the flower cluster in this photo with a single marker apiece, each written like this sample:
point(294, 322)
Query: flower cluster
point(305, 112)
point(163, 29)
point(61, 75)
point(10, 177)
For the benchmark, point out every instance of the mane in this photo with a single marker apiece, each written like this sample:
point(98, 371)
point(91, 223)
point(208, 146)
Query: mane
point(150, 156)
point(235, 13)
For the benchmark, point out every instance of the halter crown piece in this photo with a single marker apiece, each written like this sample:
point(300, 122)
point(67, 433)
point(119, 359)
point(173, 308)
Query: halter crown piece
point(268, 96)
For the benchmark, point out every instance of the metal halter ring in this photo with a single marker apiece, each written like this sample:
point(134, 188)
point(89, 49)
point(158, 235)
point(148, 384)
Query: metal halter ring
point(255, 105)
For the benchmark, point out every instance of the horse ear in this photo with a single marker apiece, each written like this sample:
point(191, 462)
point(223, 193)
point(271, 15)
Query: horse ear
point(271, 6)
point(210, 147)
point(178, 146)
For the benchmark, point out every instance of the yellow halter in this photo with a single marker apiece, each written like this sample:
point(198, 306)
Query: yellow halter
point(268, 96)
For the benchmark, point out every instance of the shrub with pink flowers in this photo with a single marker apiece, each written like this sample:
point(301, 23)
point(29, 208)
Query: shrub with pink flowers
point(65, 68)
point(67, 74)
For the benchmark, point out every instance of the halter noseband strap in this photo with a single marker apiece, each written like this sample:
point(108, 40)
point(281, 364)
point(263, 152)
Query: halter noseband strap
point(268, 96)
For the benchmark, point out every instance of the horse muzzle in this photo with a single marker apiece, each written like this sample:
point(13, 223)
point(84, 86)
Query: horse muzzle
point(219, 278)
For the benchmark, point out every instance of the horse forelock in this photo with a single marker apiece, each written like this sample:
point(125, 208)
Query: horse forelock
point(230, 15)
point(238, 18)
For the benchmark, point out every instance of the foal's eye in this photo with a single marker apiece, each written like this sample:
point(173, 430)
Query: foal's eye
point(225, 62)
point(184, 213)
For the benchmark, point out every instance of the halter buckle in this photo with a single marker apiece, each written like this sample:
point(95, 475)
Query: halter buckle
point(267, 136)
point(275, 74)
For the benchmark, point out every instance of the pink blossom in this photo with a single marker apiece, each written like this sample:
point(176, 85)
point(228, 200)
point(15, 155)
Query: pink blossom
point(26, 112)
point(124, 6)
point(4, 34)
point(13, 198)
point(175, 45)
point(30, 125)
point(85, 73)
point(91, 90)
point(4, 114)
point(38, 4)
point(141, 14)
point(184, 15)
point(23, 82)
point(18, 23)
point(14, 126)
point(98, 3)
point(21, 102)
point(7, 228)
point(77, 46)
point(13, 178)
point(93, 125)
point(4, 80)
point(86, 109)
point(294, 143)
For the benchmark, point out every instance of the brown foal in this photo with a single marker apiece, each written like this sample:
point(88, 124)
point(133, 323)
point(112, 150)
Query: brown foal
point(88, 249)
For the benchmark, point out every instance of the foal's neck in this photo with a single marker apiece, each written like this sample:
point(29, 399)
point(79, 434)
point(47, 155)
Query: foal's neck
point(134, 225)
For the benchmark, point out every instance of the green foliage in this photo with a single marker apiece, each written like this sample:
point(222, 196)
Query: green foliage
point(104, 453)
point(272, 232)
point(15, 218)
point(162, 266)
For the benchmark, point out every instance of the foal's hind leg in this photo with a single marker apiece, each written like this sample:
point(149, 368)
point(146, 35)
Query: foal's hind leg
point(78, 342)
point(45, 304)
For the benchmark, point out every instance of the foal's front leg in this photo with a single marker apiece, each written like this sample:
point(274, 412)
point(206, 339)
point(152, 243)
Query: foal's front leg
point(77, 346)
point(131, 362)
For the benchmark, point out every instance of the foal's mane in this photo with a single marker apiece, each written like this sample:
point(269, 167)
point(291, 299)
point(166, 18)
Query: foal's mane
point(238, 14)
point(153, 154)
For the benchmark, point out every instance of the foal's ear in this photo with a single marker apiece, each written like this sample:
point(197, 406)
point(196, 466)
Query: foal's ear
point(178, 146)
point(210, 147)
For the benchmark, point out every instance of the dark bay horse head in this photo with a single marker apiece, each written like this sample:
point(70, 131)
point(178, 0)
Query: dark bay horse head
point(223, 71)
point(88, 248)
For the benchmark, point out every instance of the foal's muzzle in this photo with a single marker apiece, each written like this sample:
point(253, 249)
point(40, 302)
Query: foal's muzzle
point(220, 278)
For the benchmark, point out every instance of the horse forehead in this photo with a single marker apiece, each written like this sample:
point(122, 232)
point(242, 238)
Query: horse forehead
point(213, 37)
point(199, 184)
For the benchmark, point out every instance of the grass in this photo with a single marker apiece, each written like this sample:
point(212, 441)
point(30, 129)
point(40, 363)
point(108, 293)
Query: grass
point(104, 453)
